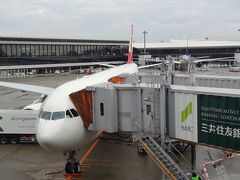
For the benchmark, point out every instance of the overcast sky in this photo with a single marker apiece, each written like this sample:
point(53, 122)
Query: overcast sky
point(111, 19)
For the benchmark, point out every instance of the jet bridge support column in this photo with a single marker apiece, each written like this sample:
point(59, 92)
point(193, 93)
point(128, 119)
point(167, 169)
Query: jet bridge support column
point(169, 75)
point(192, 75)
point(162, 112)
point(164, 176)
point(162, 101)
point(192, 72)
point(193, 156)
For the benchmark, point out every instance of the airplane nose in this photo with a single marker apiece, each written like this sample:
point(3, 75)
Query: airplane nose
point(45, 140)
point(61, 135)
point(46, 135)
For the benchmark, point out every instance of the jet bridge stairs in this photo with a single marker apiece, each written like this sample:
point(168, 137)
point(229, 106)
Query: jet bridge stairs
point(160, 156)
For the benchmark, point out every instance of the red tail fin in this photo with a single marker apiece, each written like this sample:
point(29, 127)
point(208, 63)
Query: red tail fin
point(130, 50)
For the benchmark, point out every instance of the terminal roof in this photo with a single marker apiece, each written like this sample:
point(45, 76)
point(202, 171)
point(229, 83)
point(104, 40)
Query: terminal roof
point(190, 43)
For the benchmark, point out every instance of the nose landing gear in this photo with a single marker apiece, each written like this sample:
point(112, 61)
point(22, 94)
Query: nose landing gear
point(72, 166)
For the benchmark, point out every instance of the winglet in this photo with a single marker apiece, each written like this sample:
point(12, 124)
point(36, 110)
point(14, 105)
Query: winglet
point(130, 50)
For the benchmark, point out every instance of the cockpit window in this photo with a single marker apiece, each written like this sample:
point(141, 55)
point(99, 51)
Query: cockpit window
point(46, 115)
point(58, 115)
point(68, 114)
point(74, 112)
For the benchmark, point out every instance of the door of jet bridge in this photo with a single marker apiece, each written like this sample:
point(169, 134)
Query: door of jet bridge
point(150, 110)
point(82, 100)
point(148, 116)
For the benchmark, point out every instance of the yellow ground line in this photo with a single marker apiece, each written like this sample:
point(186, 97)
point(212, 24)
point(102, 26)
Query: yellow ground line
point(93, 145)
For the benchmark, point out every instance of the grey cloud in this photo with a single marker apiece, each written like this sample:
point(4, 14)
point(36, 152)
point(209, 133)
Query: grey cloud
point(110, 19)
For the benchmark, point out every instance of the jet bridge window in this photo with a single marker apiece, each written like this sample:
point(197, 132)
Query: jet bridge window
point(101, 109)
point(148, 109)
point(46, 115)
point(58, 115)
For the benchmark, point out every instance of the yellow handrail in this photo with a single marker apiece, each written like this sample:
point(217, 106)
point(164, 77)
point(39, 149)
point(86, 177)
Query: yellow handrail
point(157, 161)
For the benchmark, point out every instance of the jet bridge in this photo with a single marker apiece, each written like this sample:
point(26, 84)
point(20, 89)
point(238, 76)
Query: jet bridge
point(151, 104)
point(85, 107)
point(209, 116)
point(131, 108)
point(181, 112)
point(119, 107)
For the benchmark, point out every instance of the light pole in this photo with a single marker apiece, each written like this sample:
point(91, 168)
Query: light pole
point(144, 41)
point(239, 35)
point(187, 41)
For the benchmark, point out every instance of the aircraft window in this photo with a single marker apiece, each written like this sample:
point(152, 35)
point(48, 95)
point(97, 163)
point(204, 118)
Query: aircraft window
point(58, 115)
point(46, 115)
point(68, 114)
point(148, 109)
point(74, 112)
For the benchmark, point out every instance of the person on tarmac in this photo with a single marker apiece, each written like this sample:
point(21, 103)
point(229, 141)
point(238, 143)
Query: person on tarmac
point(195, 176)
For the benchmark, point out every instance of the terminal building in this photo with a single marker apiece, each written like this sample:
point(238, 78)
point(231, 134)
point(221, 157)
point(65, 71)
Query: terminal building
point(48, 51)
point(20, 51)
point(213, 49)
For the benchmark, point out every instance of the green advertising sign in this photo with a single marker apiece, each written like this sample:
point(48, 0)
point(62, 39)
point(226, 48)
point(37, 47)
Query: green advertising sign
point(219, 121)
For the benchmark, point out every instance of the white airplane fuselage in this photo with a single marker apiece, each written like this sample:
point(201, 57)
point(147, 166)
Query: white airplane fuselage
point(55, 131)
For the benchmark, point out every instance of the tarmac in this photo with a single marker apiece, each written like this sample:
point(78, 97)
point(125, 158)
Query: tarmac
point(113, 158)
point(109, 160)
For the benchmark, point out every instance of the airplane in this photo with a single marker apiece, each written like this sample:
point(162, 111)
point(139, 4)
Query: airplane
point(60, 126)
point(182, 64)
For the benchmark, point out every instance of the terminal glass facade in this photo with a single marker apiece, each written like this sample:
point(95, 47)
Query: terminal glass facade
point(211, 51)
point(43, 50)
point(53, 50)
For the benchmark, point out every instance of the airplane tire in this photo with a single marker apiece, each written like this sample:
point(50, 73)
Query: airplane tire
point(68, 168)
point(76, 168)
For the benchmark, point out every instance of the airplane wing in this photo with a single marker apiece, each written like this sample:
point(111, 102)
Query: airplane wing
point(28, 88)
point(107, 65)
point(202, 57)
point(147, 66)
point(214, 59)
